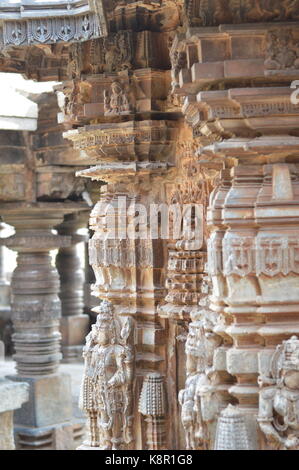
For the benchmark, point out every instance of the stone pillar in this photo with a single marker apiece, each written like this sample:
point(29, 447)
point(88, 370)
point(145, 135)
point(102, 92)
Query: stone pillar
point(4, 284)
point(128, 270)
point(251, 133)
point(74, 325)
point(257, 265)
point(5, 314)
point(45, 422)
point(185, 273)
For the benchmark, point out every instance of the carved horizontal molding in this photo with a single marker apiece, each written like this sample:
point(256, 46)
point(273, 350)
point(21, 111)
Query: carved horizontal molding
point(205, 13)
point(244, 51)
point(37, 9)
point(134, 141)
point(270, 256)
point(120, 253)
point(239, 148)
point(122, 133)
point(238, 110)
point(51, 30)
point(36, 242)
point(122, 168)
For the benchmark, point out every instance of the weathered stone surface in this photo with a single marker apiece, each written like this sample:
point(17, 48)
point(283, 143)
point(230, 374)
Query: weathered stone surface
point(49, 401)
point(12, 397)
point(6, 431)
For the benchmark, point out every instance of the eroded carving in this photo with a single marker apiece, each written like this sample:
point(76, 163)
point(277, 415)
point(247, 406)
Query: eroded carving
point(115, 100)
point(207, 13)
point(199, 400)
point(282, 50)
point(279, 401)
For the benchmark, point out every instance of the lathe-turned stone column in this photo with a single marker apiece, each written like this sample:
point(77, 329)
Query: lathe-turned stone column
point(4, 300)
point(45, 421)
point(74, 325)
point(4, 284)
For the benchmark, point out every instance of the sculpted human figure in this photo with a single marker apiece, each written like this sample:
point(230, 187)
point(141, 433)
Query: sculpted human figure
point(198, 400)
point(106, 394)
point(279, 403)
point(187, 402)
point(116, 101)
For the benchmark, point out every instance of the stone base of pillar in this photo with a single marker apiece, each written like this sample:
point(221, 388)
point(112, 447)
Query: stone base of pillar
point(50, 401)
point(59, 437)
point(73, 329)
point(12, 396)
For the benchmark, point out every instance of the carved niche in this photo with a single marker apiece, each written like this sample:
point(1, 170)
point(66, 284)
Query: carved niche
point(115, 100)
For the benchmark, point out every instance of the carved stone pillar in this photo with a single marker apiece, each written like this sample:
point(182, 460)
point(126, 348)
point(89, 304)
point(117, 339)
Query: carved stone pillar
point(45, 422)
point(128, 269)
point(257, 258)
point(74, 324)
point(252, 133)
point(185, 273)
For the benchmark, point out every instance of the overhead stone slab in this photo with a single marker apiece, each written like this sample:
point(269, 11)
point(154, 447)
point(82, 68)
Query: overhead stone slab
point(18, 111)
point(26, 22)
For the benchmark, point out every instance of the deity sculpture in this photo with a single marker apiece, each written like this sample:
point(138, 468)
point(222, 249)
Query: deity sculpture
point(198, 400)
point(187, 395)
point(279, 403)
point(106, 394)
point(115, 102)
